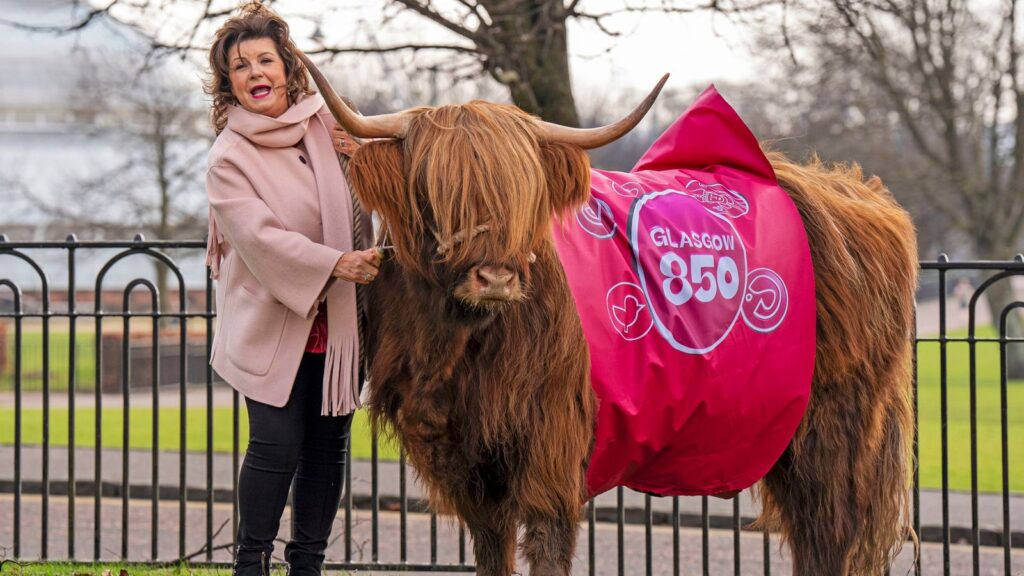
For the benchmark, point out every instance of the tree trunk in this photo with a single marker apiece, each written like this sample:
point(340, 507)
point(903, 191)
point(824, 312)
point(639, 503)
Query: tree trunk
point(529, 53)
point(545, 88)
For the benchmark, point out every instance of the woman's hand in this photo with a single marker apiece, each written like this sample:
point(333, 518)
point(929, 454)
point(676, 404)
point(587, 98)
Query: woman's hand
point(360, 266)
point(344, 143)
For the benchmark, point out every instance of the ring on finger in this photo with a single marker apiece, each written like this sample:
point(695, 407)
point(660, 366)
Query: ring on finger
point(366, 277)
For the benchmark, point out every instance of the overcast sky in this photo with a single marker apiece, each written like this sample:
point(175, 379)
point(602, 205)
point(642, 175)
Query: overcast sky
point(695, 48)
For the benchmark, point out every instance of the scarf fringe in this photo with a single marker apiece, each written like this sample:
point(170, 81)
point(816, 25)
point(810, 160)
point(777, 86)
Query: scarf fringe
point(213, 255)
point(341, 377)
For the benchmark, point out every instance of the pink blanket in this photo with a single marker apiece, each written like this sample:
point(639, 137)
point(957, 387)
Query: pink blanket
point(693, 278)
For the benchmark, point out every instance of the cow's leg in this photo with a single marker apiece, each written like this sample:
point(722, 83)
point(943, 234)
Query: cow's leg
point(549, 543)
point(814, 513)
point(494, 544)
point(839, 491)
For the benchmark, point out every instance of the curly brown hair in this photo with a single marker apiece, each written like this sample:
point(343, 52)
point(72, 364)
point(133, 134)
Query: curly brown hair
point(254, 21)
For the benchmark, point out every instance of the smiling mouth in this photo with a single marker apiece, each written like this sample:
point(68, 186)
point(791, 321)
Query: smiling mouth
point(260, 92)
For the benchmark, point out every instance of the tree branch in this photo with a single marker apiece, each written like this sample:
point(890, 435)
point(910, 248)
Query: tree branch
point(207, 15)
point(951, 210)
point(666, 7)
point(396, 48)
point(202, 549)
point(425, 11)
point(67, 29)
point(787, 41)
point(475, 8)
point(598, 21)
point(996, 86)
point(875, 49)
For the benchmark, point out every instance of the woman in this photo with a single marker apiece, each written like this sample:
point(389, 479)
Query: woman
point(281, 244)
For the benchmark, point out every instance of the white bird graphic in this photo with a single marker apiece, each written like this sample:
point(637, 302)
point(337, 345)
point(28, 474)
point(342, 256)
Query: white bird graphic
point(627, 314)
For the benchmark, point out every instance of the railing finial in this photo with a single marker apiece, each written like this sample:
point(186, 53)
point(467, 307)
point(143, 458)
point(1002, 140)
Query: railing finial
point(943, 257)
point(71, 238)
point(139, 238)
point(3, 238)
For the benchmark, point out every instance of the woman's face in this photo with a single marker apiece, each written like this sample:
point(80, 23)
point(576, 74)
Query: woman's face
point(257, 75)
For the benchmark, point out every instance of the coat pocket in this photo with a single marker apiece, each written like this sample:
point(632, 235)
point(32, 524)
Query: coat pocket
point(254, 331)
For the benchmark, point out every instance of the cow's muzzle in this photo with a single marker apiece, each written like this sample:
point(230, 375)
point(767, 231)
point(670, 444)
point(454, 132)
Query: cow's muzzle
point(489, 284)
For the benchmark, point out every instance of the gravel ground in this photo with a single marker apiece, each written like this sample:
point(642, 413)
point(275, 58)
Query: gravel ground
point(721, 551)
point(990, 506)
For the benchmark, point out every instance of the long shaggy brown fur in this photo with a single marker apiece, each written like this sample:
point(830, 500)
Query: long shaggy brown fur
point(839, 492)
point(494, 407)
point(493, 403)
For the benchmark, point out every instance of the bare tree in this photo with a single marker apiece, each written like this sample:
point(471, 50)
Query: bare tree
point(154, 185)
point(826, 110)
point(521, 44)
point(947, 76)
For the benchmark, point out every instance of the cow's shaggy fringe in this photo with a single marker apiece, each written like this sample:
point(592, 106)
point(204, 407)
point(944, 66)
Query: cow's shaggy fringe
point(839, 493)
point(488, 174)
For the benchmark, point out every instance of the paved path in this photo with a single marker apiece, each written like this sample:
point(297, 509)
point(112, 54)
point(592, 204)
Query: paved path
point(721, 551)
point(956, 317)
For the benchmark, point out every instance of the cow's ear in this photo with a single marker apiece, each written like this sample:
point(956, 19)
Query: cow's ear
point(379, 179)
point(567, 171)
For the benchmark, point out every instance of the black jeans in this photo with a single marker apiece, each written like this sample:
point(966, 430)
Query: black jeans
point(293, 446)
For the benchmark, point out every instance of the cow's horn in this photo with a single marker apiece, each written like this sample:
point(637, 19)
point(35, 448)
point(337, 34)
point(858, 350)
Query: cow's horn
point(596, 137)
point(380, 126)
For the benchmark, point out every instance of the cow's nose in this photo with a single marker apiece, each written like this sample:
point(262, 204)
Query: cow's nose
point(495, 279)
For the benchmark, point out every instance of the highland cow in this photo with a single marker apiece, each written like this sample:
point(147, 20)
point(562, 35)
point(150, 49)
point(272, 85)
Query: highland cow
point(480, 366)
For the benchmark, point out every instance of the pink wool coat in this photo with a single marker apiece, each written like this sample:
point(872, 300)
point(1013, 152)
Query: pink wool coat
point(280, 218)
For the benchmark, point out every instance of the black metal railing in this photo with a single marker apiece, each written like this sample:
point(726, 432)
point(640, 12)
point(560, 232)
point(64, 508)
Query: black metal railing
point(172, 499)
point(1006, 536)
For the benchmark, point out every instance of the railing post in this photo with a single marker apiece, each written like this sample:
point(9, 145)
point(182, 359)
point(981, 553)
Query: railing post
point(72, 384)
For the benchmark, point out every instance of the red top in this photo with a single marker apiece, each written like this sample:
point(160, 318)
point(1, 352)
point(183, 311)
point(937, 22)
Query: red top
point(317, 342)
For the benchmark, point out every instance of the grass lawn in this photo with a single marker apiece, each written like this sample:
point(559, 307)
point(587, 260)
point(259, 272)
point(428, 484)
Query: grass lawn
point(989, 428)
point(140, 422)
point(32, 357)
point(10, 568)
point(988, 416)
